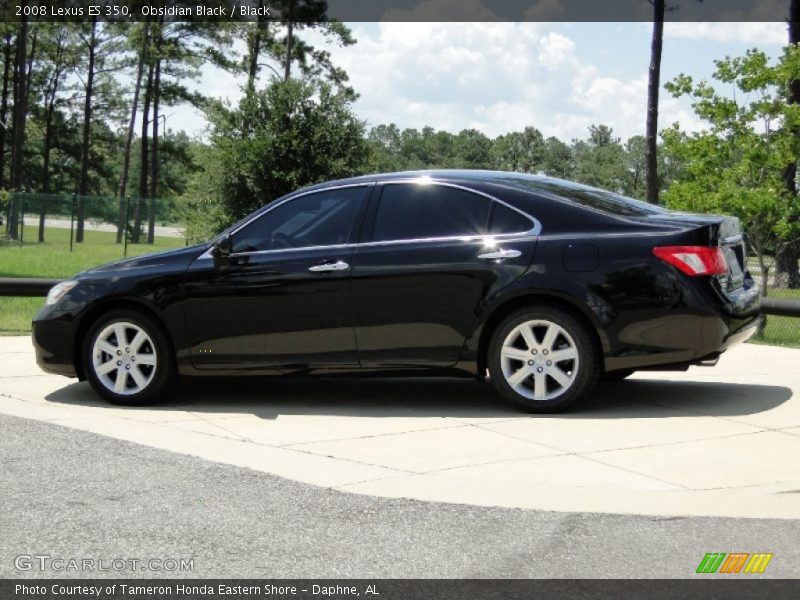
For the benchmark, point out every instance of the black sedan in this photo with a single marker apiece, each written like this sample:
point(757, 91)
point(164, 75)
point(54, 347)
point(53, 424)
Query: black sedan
point(540, 285)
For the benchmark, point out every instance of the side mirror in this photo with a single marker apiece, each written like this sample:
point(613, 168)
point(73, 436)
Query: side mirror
point(222, 251)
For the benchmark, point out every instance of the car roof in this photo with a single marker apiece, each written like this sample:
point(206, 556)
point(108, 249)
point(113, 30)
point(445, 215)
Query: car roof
point(437, 174)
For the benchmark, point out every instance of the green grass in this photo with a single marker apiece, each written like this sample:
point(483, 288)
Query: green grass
point(52, 259)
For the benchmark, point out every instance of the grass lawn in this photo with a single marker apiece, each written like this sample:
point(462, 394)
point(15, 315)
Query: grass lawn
point(52, 259)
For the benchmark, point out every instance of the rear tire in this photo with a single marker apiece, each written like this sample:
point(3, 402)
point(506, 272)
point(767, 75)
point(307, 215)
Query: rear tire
point(543, 360)
point(128, 359)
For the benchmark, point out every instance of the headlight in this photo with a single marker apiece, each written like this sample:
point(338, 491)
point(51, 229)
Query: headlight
point(57, 291)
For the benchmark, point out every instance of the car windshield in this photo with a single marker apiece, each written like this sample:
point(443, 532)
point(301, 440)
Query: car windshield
point(602, 200)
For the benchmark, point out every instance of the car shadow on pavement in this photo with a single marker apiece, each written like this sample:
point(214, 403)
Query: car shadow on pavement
point(269, 398)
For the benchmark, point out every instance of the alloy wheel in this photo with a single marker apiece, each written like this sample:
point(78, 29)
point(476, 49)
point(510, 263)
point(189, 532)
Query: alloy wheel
point(124, 358)
point(539, 360)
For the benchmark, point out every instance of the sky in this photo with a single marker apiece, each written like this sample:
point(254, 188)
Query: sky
point(501, 77)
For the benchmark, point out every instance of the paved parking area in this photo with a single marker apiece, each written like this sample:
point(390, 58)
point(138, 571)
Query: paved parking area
point(719, 441)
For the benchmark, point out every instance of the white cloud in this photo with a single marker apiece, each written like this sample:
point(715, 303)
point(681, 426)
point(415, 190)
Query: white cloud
point(749, 33)
point(494, 77)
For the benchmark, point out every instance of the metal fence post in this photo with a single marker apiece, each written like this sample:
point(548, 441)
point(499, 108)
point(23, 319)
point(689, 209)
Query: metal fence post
point(22, 221)
point(127, 207)
point(72, 221)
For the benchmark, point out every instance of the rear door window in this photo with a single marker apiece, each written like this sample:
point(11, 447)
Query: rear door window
point(421, 210)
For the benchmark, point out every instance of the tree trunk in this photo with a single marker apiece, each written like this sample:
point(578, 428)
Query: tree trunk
point(18, 134)
point(45, 170)
point(83, 182)
point(151, 217)
point(287, 66)
point(51, 93)
point(126, 163)
point(4, 107)
point(786, 269)
point(653, 84)
point(137, 219)
point(255, 51)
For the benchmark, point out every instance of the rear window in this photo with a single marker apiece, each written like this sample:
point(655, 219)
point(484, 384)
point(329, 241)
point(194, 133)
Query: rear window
point(505, 220)
point(590, 197)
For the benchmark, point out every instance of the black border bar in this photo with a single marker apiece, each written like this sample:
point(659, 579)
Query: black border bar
point(398, 10)
point(706, 587)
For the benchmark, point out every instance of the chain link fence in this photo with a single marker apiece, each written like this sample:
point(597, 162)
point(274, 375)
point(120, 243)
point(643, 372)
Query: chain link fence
point(70, 220)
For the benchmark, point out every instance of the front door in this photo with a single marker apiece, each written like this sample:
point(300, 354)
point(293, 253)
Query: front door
point(282, 300)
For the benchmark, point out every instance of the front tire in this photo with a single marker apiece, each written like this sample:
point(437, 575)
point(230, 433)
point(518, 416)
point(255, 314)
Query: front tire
point(543, 360)
point(128, 359)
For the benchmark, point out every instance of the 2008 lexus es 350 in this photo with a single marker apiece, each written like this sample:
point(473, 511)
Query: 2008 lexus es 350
point(541, 285)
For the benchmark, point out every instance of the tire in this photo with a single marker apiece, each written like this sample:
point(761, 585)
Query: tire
point(521, 342)
point(144, 382)
point(617, 375)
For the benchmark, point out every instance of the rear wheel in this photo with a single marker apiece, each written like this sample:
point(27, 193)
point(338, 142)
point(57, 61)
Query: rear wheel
point(542, 359)
point(127, 358)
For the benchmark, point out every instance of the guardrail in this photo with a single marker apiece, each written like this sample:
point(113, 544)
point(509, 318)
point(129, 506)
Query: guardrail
point(23, 286)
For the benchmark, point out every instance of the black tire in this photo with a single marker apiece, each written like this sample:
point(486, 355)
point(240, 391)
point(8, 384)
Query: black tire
point(617, 375)
point(589, 360)
point(163, 372)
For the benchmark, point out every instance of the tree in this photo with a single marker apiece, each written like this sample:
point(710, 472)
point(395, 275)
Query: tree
point(58, 56)
point(558, 159)
point(634, 184)
point(301, 133)
point(20, 118)
point(522, 151)
point(653, 85)
point(737, 165)
point(313, 62)
point(101, 44)
point(143, 43)
point(600, 160)
point(5, 93)
point(787, 260)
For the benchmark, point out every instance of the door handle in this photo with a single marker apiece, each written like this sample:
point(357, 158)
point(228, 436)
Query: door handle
point(500, 254)
point(339, 265)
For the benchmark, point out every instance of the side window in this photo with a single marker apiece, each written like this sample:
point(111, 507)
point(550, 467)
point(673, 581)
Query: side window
point(413, 211)
point(320, 219)
point(505, 220)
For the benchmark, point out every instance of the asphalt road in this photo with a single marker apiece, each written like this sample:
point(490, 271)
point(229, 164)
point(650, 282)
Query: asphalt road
point(71, 494)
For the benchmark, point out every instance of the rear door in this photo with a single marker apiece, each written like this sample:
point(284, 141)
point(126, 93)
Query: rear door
point(430, 256)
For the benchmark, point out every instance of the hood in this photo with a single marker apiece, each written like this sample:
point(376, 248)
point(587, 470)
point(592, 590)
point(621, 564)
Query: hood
point(177, 259)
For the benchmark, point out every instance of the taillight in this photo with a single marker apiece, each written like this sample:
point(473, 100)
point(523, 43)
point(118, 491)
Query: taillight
point(694, 260)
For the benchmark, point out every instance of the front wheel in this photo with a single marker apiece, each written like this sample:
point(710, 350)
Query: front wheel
point(127, 358)
point(543, 359)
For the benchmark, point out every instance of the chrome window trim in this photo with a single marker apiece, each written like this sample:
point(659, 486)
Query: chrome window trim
point(484, 237)
point(529, 235)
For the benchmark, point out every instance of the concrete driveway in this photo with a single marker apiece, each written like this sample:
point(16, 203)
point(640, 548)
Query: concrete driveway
point(720, 441)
